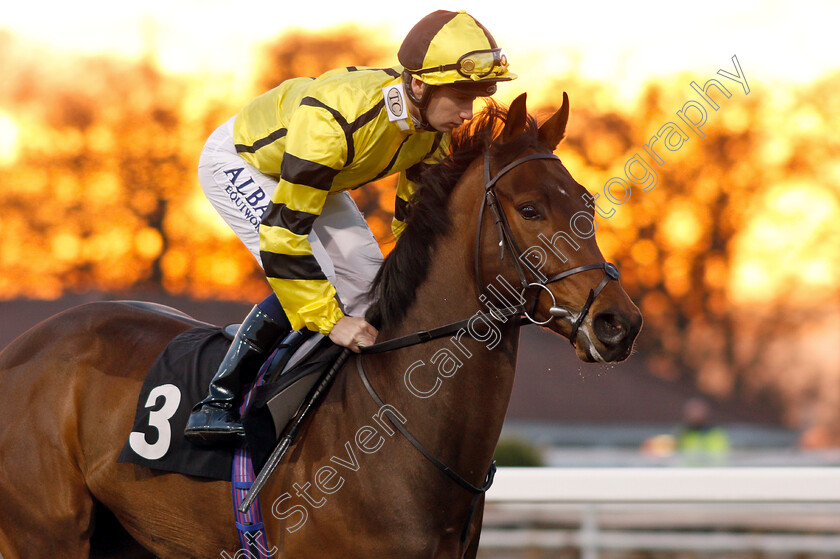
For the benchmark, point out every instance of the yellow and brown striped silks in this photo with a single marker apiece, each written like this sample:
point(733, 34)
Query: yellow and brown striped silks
point(321, 136)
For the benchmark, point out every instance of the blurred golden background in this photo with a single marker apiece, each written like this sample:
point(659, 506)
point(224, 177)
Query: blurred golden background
point(734, 257)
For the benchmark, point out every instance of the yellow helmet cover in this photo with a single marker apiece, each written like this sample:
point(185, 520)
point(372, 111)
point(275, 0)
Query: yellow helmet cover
point(447, 48)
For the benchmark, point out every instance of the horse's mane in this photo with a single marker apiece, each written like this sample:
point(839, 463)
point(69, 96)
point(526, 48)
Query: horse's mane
point(406, 267)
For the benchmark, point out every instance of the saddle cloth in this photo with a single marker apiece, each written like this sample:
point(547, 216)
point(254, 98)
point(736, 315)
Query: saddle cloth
point(179, 378)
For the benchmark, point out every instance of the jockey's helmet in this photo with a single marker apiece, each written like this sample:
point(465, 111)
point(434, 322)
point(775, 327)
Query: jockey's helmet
point(453, 49)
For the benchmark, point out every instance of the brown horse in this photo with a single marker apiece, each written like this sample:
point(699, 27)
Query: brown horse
point(351, 486)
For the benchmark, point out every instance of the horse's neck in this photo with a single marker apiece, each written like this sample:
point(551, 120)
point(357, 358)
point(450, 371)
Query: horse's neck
point(459, 422)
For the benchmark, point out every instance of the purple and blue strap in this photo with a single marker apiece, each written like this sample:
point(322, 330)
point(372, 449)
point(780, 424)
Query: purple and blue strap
point(252, 536)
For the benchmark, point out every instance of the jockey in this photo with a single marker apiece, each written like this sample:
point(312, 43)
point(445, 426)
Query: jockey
point(279, 170)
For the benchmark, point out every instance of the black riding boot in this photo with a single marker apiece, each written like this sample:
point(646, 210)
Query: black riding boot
point(215, 419)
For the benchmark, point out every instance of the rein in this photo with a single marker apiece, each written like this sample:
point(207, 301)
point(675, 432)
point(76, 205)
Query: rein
point(506, 238)
point(454, 476)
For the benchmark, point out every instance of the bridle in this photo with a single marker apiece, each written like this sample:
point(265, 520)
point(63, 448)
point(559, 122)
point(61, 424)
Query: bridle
point(506, 239)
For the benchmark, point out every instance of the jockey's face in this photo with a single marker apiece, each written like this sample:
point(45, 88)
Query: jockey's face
point(447, 108)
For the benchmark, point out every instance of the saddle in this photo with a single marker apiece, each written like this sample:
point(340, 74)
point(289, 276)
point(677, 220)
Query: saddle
point(179, 377)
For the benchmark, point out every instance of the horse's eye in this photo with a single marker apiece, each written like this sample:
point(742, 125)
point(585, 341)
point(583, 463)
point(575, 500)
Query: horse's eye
point(528, 211)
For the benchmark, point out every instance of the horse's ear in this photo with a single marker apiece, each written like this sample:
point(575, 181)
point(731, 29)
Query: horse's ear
point(553, 129)
point(517, 119)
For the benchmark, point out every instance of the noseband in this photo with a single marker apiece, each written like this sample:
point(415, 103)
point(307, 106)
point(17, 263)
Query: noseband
point(506, 239)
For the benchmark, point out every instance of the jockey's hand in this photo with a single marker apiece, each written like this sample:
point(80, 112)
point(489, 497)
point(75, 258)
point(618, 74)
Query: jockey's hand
point(353, 332)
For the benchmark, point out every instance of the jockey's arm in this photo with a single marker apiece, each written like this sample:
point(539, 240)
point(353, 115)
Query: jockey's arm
point(405, 189)
point(316, 151)
point(406, 185)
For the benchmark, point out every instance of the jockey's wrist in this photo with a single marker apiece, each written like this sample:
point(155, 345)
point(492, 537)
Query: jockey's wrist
point(326, 327)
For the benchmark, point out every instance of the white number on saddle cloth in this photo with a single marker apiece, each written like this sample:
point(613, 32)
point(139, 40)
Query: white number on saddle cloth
point(159, 420)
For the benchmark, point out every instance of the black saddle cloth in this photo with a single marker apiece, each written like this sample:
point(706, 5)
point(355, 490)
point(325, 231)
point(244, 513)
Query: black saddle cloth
point(176, 381)
point(179, 378)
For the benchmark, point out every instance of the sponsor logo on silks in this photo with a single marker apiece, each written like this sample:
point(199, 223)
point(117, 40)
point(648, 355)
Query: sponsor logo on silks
point(246, 196)
point(395, 105)
point(395, 101)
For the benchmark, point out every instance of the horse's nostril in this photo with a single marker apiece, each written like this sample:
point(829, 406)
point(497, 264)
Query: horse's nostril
point(610, 327)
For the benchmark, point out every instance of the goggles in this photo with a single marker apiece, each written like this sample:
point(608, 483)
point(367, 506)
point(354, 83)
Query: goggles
point(475, 65)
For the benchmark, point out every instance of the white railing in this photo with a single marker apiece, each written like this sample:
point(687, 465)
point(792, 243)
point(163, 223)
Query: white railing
point(781, 510)
point(665, 485)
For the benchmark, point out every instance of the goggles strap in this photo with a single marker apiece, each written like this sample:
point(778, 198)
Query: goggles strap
point(421, 102)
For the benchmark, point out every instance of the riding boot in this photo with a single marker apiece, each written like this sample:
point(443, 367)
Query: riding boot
point(215, 419)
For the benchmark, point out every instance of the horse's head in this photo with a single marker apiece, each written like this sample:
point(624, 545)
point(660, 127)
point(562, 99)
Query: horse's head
point(537, 230)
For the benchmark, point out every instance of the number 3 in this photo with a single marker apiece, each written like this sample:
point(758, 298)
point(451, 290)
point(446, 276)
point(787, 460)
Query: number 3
point(159, 420)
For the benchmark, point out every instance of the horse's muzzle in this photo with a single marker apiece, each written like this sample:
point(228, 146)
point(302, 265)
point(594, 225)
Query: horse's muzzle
point(612, 330)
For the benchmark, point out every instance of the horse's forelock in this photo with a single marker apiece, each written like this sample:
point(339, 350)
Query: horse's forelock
point(406, 268)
